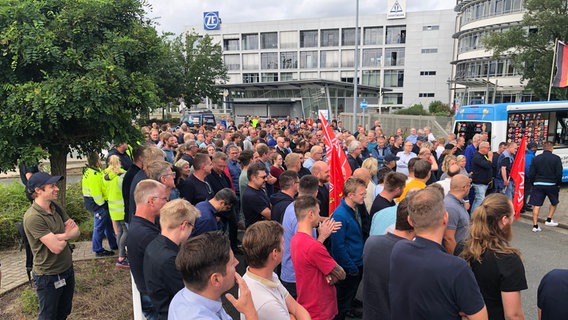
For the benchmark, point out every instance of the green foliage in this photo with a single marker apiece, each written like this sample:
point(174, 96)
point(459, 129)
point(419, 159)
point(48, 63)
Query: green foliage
point(13, 205)
point(531, 44)
point(192, 67)
point(29, 302)
point(415, 110)
point(439, 108)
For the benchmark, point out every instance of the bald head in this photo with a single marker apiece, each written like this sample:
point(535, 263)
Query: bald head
point(362, 174)
point(453, 170)
point(459, 185)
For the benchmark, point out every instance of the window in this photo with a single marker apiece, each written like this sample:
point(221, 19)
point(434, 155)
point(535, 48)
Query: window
point(308, 75)
point(288, 60)
point(308, 59)
point(269, 60)
point(430, 28)
point(396, 34)
point(394, 57)
point(287, 76)
point(430, 50)
point(308, 38)
point(372, 57)
point(347, 58)
point(348, 37)
point(373, 36)
point(426, 95)
point(288, 40)
point(394, 78)
point(269, 77)
point(330, 38)
point(231, 44)
point(371, 77)
point(250, 41)
point(427, 73)
point(329, 59)
point(269, 40)
point(250, 61)
point(250, 77)
point(392, 98)
point(232, 61)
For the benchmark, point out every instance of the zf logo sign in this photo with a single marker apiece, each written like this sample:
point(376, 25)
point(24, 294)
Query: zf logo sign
point(211, 20)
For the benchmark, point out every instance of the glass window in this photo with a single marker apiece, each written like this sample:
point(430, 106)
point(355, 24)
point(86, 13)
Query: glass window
point(427, 73)
point(330, 38)
point(231, 44)
point(392, 98)
point(288, 76)
point(329, 59)
point(308, 59)
point(373, 36)
point(288, 39)
point(372, 57)
point(232, 61)
point(250, 41)
point(347, 58)
point(371, 77)
point(394, 57)
point(348, 37)
point(396, 34)
point(394, 78)
point(289, 60)
point(269, 40)
point(426, 95)
point(308, 38)
point(269, 77)
point(250, 61)
point(430, 50)
point(269, 60)
point(250, 77)
point(430, 28)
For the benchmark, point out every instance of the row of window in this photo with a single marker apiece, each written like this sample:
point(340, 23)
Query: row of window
point(313, 59)
point(484, 69)
point(473, 41)
point(489, 8)
point(319, 38)
point(392, 78)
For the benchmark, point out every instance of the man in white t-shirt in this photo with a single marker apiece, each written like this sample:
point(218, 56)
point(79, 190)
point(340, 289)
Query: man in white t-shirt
point(263, 244)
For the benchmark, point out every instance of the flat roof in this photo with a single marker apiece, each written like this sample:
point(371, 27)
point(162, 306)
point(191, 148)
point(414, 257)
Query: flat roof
point(299, 84)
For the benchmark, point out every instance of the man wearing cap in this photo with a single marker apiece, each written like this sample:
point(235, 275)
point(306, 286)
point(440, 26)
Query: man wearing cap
point(48, 228)
point(390, 161)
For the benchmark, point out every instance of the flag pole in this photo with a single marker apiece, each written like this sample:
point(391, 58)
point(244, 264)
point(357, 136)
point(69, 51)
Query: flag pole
point(552, 68)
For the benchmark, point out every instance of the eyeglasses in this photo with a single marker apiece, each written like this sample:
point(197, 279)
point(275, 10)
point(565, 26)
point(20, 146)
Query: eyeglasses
point(173, 174)
point(263, 177)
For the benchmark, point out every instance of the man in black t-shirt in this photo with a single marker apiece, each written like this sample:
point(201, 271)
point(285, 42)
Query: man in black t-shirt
point(195, 188)
point(394, 185)
point(256, 204)
point(320, 170)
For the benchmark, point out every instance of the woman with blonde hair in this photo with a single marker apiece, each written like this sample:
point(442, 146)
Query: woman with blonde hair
point(112, 181)
point(449, 160)
point(371, 164)
point(460, 161)
point(497, 266)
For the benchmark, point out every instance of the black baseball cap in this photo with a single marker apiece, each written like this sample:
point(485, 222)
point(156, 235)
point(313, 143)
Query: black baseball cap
point(39, 179)
point(391, 157)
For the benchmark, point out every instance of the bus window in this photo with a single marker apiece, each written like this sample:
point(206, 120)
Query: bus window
point(535, 126)
point(468, 129)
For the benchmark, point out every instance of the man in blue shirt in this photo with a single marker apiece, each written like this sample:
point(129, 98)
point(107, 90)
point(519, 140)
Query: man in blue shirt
point(425, 281)
point(347, 245)
point(207, 265)
point(223, 201)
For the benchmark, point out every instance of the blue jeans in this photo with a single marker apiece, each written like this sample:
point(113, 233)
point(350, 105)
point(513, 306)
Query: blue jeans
point(510, 190)
point(103, 227)
point(148, 308)
point(480, 190)
point(55, 304)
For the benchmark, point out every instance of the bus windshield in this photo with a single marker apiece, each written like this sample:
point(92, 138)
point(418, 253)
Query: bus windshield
point(467, 129)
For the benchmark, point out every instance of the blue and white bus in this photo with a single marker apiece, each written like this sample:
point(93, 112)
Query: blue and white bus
point(539, 121)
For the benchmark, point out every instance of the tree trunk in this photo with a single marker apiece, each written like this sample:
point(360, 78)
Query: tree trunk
point(58, 161)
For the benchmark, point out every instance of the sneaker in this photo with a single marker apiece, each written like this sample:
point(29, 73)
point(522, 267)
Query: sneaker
point(104, 253)
point(536, 229)
point(123, 264)
point(551, 223)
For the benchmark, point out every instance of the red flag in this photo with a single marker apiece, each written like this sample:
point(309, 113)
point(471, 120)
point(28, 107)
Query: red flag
point(518, 175)
point(561, 77)
point(339, 168)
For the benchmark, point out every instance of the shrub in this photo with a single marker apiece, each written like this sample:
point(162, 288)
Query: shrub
point(416, 110)
point(29, 302)
point(439, 108)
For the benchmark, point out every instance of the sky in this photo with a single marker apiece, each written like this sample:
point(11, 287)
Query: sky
point(175, 15)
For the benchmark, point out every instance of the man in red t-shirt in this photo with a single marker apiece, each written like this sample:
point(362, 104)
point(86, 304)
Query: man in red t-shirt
point(316, 271)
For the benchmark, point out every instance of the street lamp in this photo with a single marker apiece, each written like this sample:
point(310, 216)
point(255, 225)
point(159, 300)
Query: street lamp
point(356, 65)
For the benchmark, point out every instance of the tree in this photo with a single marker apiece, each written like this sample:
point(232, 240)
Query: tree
point(530, 45)
point(73, 74)
point(193, 68)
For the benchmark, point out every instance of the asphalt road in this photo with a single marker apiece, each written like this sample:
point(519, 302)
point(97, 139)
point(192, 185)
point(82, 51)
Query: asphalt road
point(541, 252)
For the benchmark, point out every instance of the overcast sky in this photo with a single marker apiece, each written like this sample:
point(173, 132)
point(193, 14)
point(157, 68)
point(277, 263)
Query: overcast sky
point(175, 15)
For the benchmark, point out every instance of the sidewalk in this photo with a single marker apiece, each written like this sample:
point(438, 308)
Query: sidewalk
point(14, 265)
point(561, 215)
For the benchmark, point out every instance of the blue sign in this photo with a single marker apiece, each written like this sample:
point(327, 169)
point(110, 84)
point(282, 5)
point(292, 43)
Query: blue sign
point(363, 105)
point(211, 20)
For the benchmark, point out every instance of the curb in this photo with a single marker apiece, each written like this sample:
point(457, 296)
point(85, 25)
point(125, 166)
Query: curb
point(529, 218)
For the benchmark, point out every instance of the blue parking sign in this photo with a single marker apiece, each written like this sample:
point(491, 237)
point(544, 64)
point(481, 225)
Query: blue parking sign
point(363, 105)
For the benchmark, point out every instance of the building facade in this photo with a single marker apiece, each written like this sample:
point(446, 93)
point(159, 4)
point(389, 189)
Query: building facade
point(479, 77)
point(409, 57)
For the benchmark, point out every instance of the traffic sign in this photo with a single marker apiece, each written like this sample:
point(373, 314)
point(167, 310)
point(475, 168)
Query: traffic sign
point(363, 105)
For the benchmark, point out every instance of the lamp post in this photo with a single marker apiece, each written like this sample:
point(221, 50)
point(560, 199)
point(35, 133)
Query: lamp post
point(356, 65)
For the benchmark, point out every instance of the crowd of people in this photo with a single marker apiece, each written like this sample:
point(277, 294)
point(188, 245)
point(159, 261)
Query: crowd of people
point(404, 228)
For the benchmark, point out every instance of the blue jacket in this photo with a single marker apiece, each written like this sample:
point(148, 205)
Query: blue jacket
point(529, 155)
point(347, 242)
